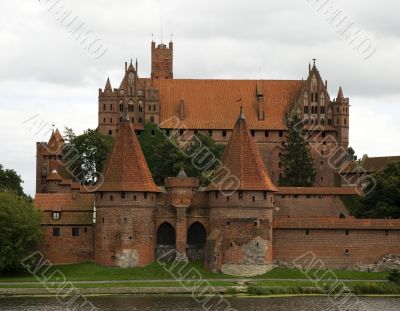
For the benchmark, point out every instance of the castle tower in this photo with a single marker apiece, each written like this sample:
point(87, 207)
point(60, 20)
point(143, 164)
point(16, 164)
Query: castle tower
point(241, 200)
point(125, 202)
point(341, 118)
point(162, 61)
point(48, 159)
point(181, 191)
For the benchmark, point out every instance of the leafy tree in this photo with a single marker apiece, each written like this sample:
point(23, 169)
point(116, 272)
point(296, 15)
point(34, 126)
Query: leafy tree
point(85, 154)
point(20, 231)
point(10, 181)
point(296, 158)
point(383, 196)
point(351, 154)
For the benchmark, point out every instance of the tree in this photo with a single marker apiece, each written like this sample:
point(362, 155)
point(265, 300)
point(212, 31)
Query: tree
point(383, 195)
point(20, 231)
point(85, 154)
point(10, 181)
point(351, 154)
point(296, 158)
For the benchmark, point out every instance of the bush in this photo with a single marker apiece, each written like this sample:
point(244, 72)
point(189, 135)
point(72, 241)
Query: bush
point(394, 276)
point(375, 289)
point(264, 291)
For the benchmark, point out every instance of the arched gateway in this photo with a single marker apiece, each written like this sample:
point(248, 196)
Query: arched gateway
point(166, 242)
point(196, 241)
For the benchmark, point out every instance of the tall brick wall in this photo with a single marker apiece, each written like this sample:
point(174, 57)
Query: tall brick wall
point(67, 249)
point(330, 245)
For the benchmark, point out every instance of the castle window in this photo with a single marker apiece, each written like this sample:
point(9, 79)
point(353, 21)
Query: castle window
point(121, 107)
point(125, 220)
point(110, 120)
point(111, 198)
point(347, 232)
point(240, 195)
point(145, 195)
point(154, 107)
point(337, 110)
point(256, 224)
point(131, 107)
point(227, 199)
point(295, 196)
point(322, 109)
point(140, 108)
point(104, 107)
point(346, 252)
point(75, 231)
point(323, 133)
point(151, 119)
point(344, 121)
point(56, 231)
point(252, 133)
point(223, 133)
point(308, 196)
point(280, 133)
point(121, 119)
point(181, 132)
point(386, 232)
point(110, 106)
point(322, 162)
point(306, 109)
point(266, 133)
point(307, 231)
point(110, 132)
point(322, 178)
point(265, 195)
point(102, 220)
point(279, 164)
point(228, 223)
point(56, 215)
point(167, 132)
point(104, 120)
point(231, 244)
point(195, 131)
point(134, 198)
point(140, 120)
point(152, 132)
point(210, 133)
point(322, 122)
point(122, 195)
point(101, 195)
point(216, 194)
point(254, 198)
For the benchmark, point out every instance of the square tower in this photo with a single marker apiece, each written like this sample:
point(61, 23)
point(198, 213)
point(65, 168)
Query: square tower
point(161, 61)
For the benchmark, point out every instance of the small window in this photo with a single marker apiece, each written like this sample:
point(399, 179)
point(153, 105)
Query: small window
point(56, 215)
point(195, 131)
point(101, 195)
point(223, 133)
point(346, 252)
point(322, 178)
point(216, 194)
point(254, 198)
point(266, 134)
point(56, 231)
point(104, 106)
point(85, 229)
point(153, 132)
point(125, 220)
point(256, 224)
point(252, 133)
point(104, 120)
point(347, 232)
point(307, 231)
point(228, 223)
point(386, 232)
point(134, 198)
point(181, 132)
point(102, 220)
point(110, 106)
point(280, 165)
point(75, 231)
point(122, 195)
point(110, 132)
point(210, 133)
point(227, 199)
point(145, 195)
point(111, 198)
point(240, 195)
point(280, 133)
point(295, 196)
point(265, 195)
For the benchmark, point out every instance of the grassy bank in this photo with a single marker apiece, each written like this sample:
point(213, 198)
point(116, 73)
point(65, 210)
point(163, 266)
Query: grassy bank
point(154, 271)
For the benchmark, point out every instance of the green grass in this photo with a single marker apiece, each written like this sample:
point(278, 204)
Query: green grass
point(154, 271)
point(283, 273)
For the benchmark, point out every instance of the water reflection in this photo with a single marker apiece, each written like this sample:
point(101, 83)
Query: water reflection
point(122, 303)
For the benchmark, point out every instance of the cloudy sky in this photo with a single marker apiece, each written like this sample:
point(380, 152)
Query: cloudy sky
point(46, 75)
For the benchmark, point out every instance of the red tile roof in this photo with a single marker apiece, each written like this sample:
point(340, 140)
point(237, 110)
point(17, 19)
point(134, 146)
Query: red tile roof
point(212, 104)
point(335, 223)
point(63, 201)
point(368, 164)
point(126, 168)
point(242, 160)
point(318, 190)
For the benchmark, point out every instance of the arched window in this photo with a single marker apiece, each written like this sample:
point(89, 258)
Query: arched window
point(322, 122)
point(152, 119)
point(196, 241)
point(140, 120)
point(166, 242)
point(314, 89)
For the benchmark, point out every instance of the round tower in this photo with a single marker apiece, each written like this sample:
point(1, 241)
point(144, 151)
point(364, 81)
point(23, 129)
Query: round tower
point(241, 200)
point(125, 202)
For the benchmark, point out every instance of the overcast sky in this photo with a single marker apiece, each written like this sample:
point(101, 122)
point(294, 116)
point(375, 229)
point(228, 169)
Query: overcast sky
point(46, 75)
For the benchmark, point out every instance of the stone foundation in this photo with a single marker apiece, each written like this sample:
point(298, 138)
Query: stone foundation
point(128, 258)
point(245, 270)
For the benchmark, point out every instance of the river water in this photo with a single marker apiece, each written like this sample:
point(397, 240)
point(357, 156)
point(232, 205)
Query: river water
point(121, 303)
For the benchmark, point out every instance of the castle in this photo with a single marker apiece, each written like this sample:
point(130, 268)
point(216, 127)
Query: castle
point(240, 228)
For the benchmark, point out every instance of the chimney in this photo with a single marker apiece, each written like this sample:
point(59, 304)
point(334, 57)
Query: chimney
point(181, 109)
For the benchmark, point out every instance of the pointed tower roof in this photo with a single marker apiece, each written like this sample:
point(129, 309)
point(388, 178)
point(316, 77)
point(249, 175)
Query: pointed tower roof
point(182, 173)
point(126, 168)
point(340, 93)
point(242, 160)
point(54, 176)
point(108, 85)
point(55, 140)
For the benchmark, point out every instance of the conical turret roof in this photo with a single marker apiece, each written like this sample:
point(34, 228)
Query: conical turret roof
point(242, 160)
point(126, 168)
